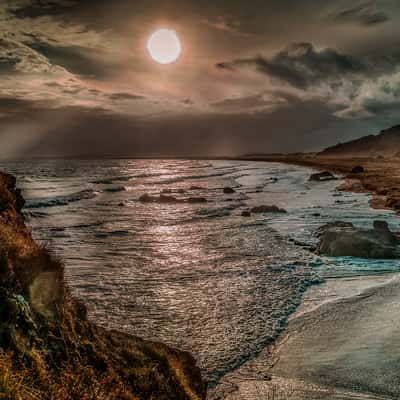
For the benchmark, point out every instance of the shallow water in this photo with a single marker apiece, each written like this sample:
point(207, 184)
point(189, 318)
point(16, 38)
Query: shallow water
point(197, 276)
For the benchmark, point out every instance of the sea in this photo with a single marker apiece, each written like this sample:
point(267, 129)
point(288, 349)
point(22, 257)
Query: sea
point(198, 276)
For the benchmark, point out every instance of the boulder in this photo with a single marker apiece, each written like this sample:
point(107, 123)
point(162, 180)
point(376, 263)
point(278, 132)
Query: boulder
point(322, 176)
point(267, 209)
point(358, 169)
point(340, 239)
point(229, 190)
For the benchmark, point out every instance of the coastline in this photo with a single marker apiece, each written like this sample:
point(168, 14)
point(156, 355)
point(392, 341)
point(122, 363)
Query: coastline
point(190, 376)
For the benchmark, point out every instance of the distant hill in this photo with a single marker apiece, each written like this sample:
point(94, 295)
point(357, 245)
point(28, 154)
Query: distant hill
point(386, 144)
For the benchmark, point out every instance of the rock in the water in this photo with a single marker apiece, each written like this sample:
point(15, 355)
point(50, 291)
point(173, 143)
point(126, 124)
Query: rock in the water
point(146, 198)
point(357, 169)
point(194, 200)
point(267, 209)
point(340, 239)
point(229, 190)
point(163, 198)
point(246, 213)
point(322, 176)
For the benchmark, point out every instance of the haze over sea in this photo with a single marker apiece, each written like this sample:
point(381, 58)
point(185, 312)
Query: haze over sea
point(198, 276)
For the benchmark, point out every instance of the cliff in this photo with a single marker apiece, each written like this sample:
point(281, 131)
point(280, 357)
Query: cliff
point(386, 144)
point(49, 349)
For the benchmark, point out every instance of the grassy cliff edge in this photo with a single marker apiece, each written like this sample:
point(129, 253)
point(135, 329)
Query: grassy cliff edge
point(48, 347)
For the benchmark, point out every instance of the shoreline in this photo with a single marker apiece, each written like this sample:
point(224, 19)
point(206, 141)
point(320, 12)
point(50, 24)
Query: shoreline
point(381, 177)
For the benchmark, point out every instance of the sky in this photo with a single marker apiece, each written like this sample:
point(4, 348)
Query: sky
point(260, 76)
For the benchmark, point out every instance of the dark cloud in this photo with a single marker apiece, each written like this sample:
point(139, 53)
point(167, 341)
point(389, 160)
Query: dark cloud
point(249, 103)
point(75, 59)
point(125, 96)
point(364, 14)
point(39, 8)
point(301, 65)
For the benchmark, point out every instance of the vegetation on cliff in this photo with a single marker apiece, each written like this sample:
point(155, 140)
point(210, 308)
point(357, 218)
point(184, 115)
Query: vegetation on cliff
point(48, 347)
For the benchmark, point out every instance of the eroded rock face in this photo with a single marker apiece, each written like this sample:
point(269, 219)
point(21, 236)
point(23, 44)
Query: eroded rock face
point(322, 176)
point(340, 239)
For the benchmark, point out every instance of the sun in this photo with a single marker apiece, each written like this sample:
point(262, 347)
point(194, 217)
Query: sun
point(164, 46)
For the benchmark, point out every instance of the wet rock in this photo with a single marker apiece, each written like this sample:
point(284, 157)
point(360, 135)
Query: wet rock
point(146, 198)
point(358, 169)
point(169, 199)
point(339, 239)
point(194, 200)
point(267, 209)
point(322, 176)
point(229, 190)
point(246, 213)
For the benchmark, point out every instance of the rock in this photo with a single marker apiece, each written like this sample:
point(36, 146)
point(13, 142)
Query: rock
point(169, 199)
point(315, 214)
point(357, 169)
point(246, 213)
point(267, 209)
point(229, 190)
point(163, 198)
point(339, 239)
point(181, 191)
point(166, 191)
point(194, 200)
point(146, 198)
point(322, 176)
point(195, 188)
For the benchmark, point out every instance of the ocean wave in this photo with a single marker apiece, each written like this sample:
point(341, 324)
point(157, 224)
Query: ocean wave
point(61, 200)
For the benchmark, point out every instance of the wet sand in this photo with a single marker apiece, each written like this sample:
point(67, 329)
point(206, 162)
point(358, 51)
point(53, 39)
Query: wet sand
point(335, 347)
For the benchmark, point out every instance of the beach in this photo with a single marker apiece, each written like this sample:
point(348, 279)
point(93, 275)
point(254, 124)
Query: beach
point(342, 342)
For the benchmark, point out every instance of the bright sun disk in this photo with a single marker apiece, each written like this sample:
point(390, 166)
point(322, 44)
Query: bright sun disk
point(164, 46)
